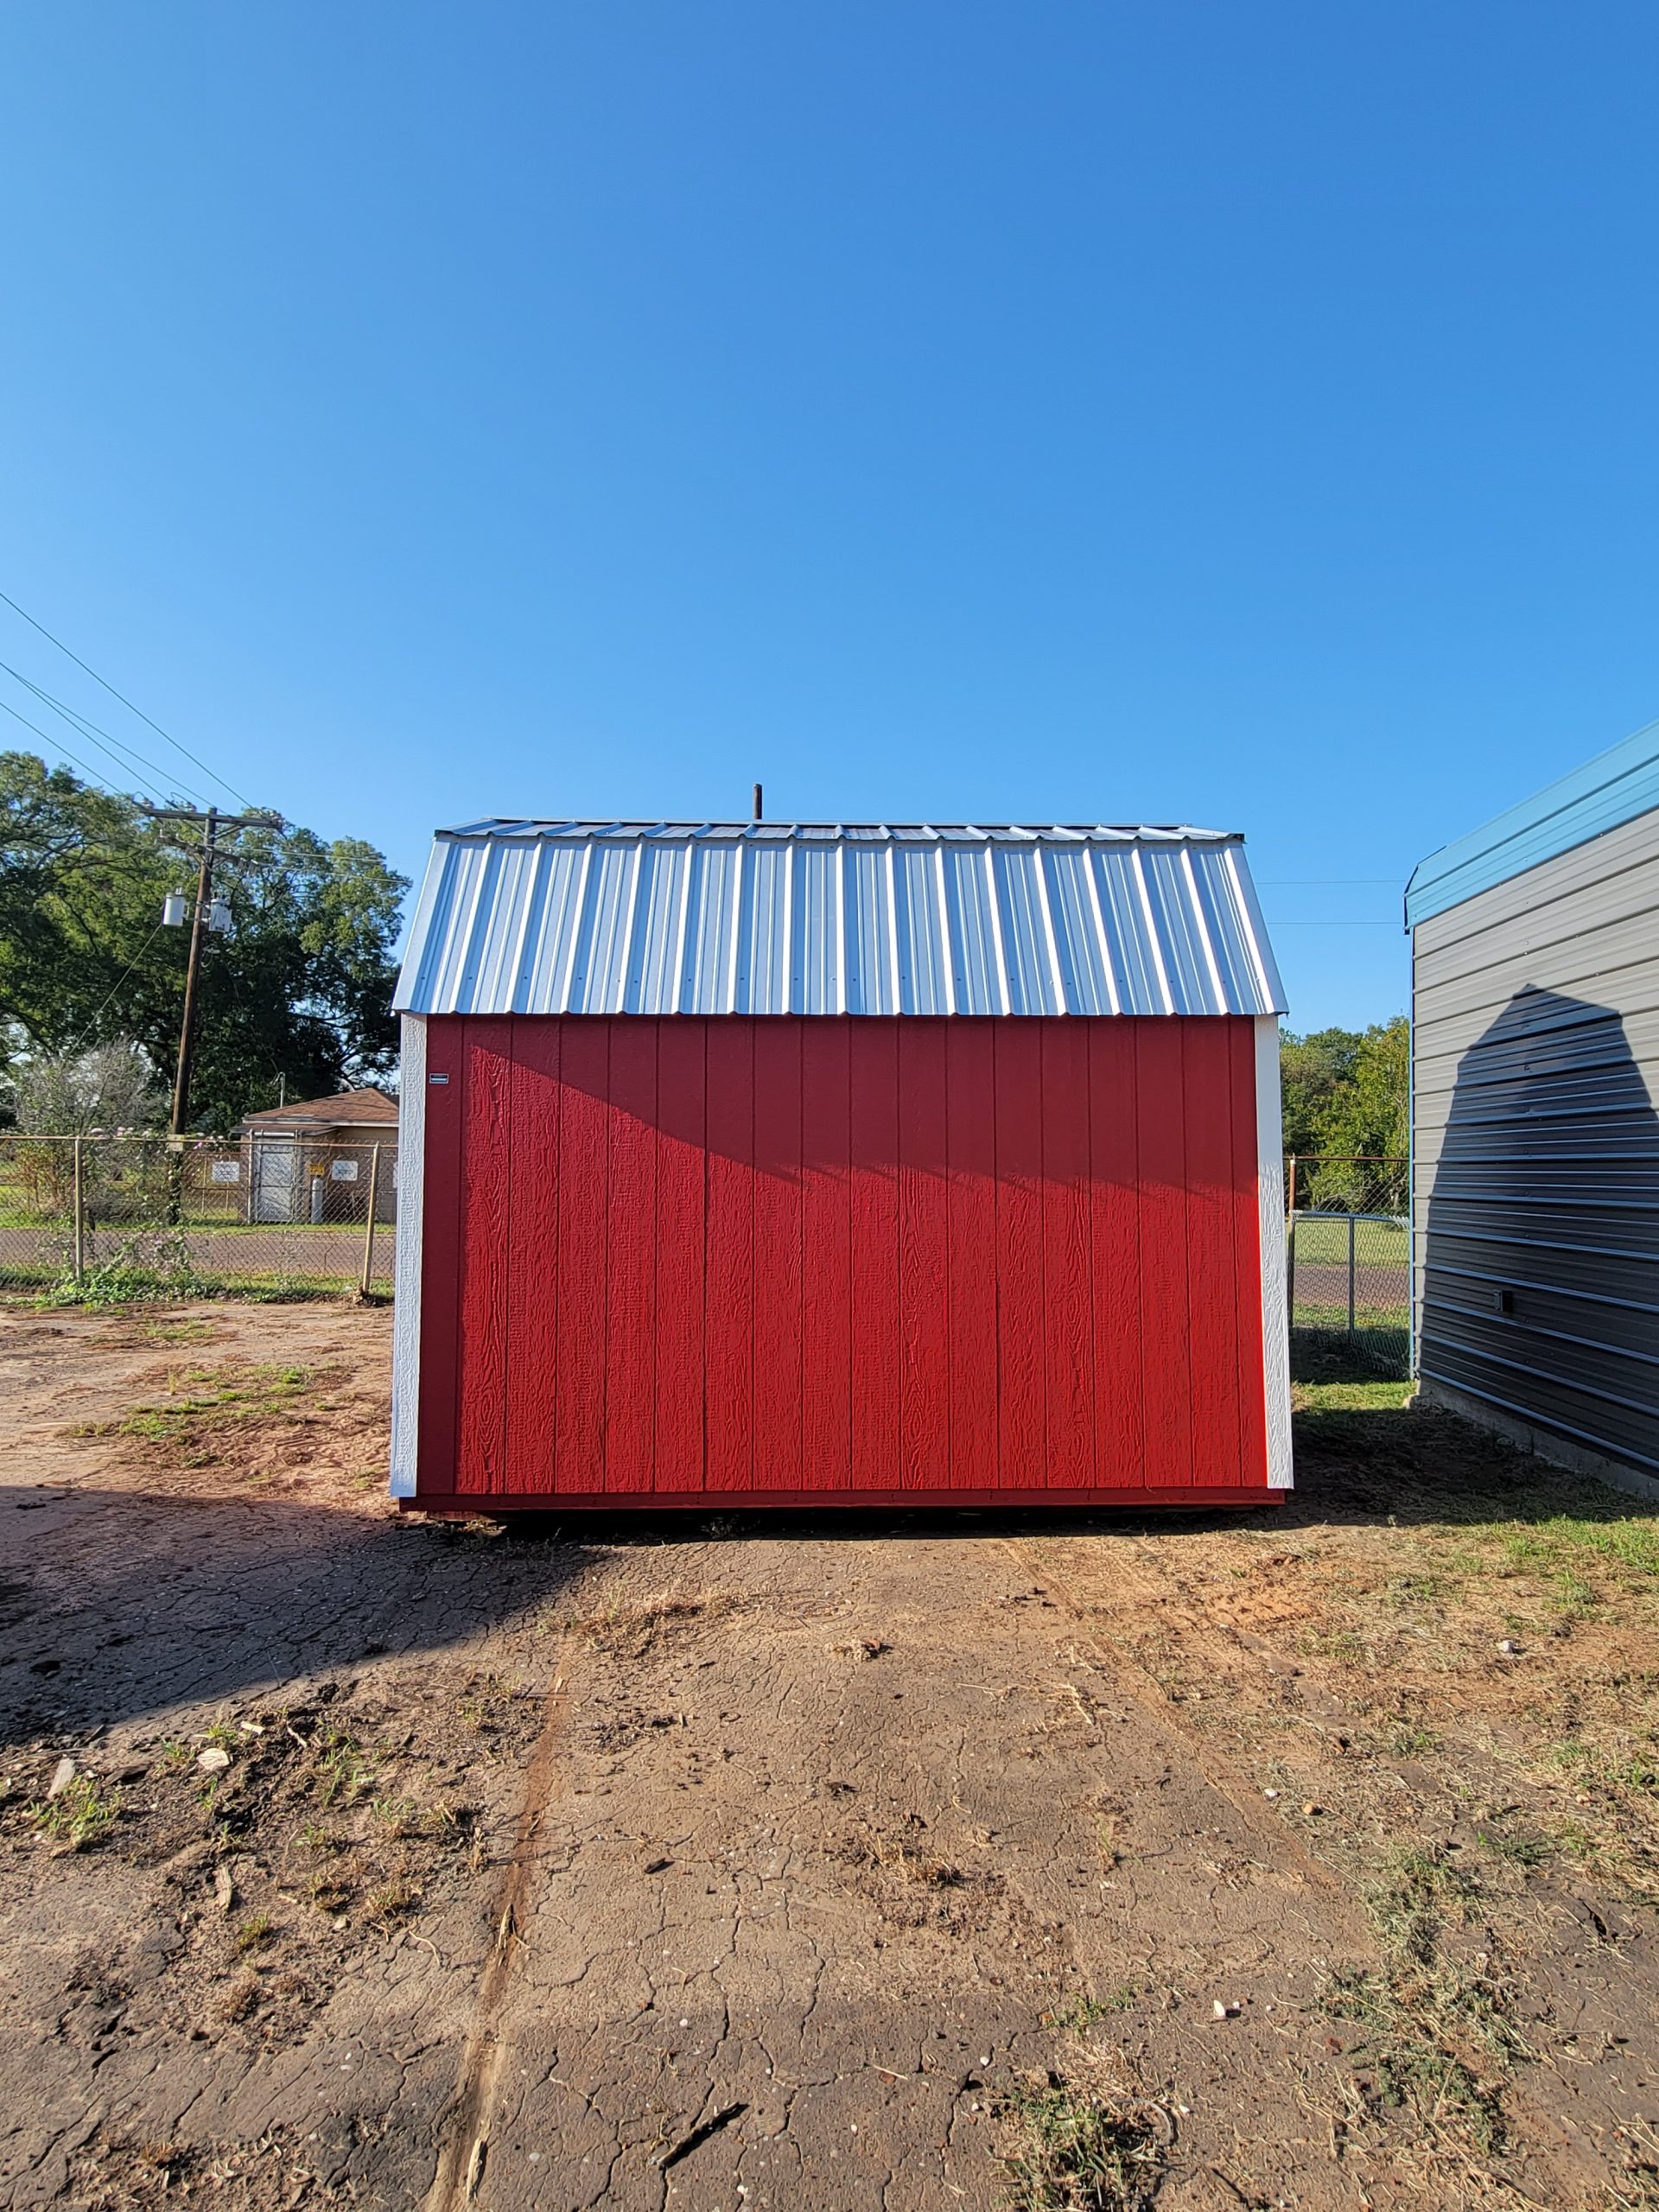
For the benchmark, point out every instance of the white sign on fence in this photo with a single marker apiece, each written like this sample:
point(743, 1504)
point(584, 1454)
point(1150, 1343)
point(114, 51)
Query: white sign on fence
point(225, 1170)
point(343, 1171)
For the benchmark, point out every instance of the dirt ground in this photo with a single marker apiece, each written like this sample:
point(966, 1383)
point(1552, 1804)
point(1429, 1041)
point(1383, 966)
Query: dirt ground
point(1302, 1858)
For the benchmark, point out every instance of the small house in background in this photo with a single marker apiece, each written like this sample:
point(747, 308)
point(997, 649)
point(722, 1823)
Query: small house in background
point(1535, 1138)
point(313, 1159)
point(820, 1165)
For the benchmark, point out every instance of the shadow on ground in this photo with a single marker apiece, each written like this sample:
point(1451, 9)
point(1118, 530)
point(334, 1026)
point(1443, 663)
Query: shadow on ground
point(116, 1605)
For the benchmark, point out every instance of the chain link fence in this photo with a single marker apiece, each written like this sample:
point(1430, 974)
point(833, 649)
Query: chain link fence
point(1348, 1257)
point(118, 1218)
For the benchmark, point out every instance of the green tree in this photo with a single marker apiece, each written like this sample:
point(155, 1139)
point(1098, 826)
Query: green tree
point(1369, 1114)
point(1346, 1094)
point(1314, 1071)
point(297, 993)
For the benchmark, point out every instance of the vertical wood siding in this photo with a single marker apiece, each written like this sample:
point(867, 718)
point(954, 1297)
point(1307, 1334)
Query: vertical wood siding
point(784, 1258)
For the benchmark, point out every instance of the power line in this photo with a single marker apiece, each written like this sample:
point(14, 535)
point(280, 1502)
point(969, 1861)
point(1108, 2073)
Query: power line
point(97, 775)
point(124, 756)
point(114, 988)
point(125, 701)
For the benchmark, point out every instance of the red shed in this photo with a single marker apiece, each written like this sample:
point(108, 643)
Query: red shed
point(784, 1165)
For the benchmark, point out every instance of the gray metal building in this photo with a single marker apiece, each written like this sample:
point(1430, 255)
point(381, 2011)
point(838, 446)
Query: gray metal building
point(1535, 1138)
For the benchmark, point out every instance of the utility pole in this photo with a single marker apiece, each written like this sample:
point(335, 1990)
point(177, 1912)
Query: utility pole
point(193, 976)
point(212, 822)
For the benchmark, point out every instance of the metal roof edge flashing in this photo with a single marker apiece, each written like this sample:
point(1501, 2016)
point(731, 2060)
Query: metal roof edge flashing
point(1611, 789)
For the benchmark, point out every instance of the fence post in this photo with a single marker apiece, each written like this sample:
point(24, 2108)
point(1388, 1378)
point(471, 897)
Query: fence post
point(81, 1220)
point(1350, 1278)
point(1290, 1249)
point(368, 1233)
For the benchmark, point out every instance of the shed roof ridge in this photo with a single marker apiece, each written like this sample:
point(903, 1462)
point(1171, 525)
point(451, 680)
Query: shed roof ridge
point(780, 830)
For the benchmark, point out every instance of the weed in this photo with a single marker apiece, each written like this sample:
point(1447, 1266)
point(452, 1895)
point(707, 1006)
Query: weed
point(1078, 2014)
point(328, 1892)
point(1420, 1890)
point(174, 1753)
point(341, 1771)
point(79, 1815)
point(897, 1857)
point(1519, 1847)
point(204, 1403)
point(253, 1933)
point(1076, 2150)
point(1437, 2039)
point(1343, 1647)
point(1403, 1590)
point(625, 1623)
point(399, 1816)
point(1575, 1598)
point(393, 1900)
point(315, 1837)
point(1411, 1742)
point(482, 1706)
point(241, 1998)
point(150, 1268)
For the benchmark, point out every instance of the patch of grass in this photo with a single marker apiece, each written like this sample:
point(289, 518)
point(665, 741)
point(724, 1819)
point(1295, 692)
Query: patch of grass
point(1380, 1396)
point(1075, 2149)
point(1627, 1542)
point(175, 1329)
point(394, 1900)
point(342, 1770)
point(241, 1998)
point(150, 1268)
point(1409, 1741)
point(328, 1893)
point(253, 1933)
point(1343, 1647)
point(1437, 2045)
point(399, 1816)
point(1518, 1846)
point(1436, 2037)
point(1403, 1591)
point(81, 1815)
point(205, 1405)
point(926, 1867)
point(627, 1622)
point(486, 1703)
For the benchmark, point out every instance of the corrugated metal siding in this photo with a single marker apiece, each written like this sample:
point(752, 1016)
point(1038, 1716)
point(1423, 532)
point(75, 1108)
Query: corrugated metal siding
point(585, 918)
point(1535, 1150)
point(1616, 787)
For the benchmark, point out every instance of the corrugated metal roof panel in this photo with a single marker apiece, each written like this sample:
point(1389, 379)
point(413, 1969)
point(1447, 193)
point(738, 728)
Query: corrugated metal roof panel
point(779, 917)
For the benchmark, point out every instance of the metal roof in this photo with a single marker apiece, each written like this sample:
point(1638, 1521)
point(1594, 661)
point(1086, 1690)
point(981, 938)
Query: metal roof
point(1606, 792)
point(799, 918)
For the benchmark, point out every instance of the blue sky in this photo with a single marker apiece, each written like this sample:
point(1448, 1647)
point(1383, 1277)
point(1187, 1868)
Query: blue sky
point(1237, 415)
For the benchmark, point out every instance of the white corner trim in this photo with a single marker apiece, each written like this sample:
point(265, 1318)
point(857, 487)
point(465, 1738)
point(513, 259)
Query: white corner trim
point(406, 1277)
point(1270, 1201)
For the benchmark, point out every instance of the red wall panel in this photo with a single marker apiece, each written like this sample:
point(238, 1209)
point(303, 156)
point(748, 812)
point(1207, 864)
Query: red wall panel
point(784, 1259)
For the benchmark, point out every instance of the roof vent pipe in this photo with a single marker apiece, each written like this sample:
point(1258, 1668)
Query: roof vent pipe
point(757, 802)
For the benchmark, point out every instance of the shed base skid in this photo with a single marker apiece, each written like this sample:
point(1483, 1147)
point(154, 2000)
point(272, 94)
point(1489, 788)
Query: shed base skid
point(495, 1505)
